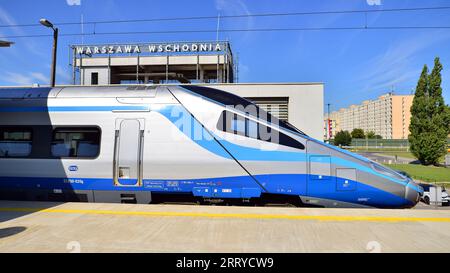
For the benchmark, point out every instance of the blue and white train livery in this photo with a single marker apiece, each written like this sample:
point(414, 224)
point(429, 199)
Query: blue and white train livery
point(143, 143)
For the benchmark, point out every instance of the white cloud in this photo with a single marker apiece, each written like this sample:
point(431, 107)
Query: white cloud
point(63, 76)
point(12, 78)
point(16, 79)
point(40, 77)
point(397, 64)
point(385, 84)
point(234, 7)
point(7, 19)
point(354, 35)
point(330, 20)
point(244, 71)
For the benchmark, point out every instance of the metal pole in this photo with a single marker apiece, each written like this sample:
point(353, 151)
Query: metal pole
point(237, 67)
point(167, 68)
point(229, 62)
point(367, 143)
point(217, 68)
point(137, 70)
point(81, 70)
point(74, 63)
point(328, 121)
point(109, 69)
point(55, 48)
point(197, 67)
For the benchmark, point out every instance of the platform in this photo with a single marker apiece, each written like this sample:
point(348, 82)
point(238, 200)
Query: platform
point(96, 227)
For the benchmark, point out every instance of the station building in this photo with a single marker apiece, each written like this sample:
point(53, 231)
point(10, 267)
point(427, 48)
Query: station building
point(210, 64)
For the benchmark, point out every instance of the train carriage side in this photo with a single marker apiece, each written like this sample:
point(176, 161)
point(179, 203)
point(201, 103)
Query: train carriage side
point(25, 126)
point(112, 144)
point(59, 144)
point(123, 144)
point(52, 148)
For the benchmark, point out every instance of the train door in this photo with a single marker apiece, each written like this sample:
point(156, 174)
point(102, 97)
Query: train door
point(321, 182)
point(128, 152)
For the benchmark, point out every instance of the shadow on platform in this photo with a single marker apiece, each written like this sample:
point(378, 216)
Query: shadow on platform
point(10, 231)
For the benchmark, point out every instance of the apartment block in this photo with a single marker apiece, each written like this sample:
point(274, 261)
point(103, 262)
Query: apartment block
point(388, 116)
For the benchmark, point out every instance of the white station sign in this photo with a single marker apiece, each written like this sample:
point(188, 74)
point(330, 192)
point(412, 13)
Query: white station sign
point(149, 48)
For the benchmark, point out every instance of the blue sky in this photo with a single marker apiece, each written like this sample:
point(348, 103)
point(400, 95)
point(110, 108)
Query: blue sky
point(354, 65)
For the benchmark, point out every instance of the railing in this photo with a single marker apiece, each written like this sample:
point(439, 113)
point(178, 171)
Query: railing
point(382, 143)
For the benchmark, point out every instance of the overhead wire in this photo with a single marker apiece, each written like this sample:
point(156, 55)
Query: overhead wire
point(234, 16)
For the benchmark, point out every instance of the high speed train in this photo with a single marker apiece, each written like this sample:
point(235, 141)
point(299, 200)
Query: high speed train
point(146, 142)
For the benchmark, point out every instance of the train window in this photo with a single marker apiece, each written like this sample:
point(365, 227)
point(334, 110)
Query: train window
point(220, 96)
point(76, 142)
point(252, 128)
point(388, 172)
point(15, 141)
point(233, 123)
point(238, 125)
point(229, 99)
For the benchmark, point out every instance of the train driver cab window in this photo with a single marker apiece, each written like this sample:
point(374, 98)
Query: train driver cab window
point(76, 142)
point(236, 124)
point(15, 141)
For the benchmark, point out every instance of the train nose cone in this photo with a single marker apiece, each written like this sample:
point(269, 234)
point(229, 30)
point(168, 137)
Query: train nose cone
point(412, 193)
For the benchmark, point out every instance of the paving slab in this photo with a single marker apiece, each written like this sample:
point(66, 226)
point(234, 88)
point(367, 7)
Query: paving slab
point(98, 227)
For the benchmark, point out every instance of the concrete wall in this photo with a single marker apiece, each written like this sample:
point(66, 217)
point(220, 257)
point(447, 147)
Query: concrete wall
point(306, 101)
point(103, 75)
point(178, 64)
point(152, 60)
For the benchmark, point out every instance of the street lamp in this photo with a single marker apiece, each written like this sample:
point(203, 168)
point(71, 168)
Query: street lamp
point(48, 24)
point(5, 43)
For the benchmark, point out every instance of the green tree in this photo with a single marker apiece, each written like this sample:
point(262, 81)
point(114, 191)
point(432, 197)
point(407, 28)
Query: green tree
point(370, 135)
point(430, 121)
point(358, 133)
point(342, 138)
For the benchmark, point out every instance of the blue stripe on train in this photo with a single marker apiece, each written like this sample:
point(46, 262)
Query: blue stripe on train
point(227, 187)
point(73, 109)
